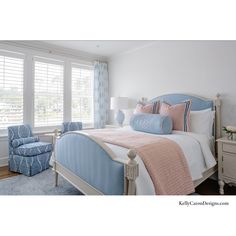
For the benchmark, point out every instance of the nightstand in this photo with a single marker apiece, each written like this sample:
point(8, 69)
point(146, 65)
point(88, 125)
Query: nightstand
point(226, 162)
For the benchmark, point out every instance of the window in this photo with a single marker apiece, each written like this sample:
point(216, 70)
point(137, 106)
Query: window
point(82, 94)
point(44, 89)
point(11, 90)
point(48, 92)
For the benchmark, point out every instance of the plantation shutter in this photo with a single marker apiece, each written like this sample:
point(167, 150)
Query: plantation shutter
point(11, 89)
point(48, 92)
point(82, 94)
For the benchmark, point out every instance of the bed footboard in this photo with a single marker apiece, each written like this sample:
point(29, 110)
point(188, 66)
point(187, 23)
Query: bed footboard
point(92, 167)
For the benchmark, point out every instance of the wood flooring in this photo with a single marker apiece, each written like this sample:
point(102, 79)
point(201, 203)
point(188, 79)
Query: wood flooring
point(5, 173)
point(210, 187)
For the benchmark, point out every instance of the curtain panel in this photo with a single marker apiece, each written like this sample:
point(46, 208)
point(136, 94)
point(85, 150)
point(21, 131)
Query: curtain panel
point(101, 94)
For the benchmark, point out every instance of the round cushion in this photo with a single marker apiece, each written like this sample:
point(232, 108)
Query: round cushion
point(151, 123)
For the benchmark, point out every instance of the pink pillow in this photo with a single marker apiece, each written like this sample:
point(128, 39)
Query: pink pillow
point(179, 113)
point(141, 108)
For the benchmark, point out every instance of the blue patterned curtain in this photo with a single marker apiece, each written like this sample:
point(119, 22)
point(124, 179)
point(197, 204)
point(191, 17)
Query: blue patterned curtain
point(101, 94)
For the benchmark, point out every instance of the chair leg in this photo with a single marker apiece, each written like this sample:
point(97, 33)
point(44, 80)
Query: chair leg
point(56, 179)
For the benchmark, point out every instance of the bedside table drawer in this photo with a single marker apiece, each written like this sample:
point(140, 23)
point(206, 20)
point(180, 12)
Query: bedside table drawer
point(229, 148)
point(229, 165)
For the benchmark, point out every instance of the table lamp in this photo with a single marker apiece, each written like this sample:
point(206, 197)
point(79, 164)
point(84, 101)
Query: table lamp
point(118, 103)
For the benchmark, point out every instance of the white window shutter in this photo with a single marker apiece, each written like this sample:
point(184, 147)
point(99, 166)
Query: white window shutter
point(48, 93)
point(82, 94)
point(11, 90)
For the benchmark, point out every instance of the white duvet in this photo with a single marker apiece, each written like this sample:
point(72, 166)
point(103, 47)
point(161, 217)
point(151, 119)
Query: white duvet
point(196, 148)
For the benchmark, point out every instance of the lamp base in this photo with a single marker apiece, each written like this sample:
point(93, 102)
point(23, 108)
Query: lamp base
point(120, 117)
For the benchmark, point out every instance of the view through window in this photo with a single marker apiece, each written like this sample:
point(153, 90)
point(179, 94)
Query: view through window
point(11, 90)
point(48, 93)
point(82, 94)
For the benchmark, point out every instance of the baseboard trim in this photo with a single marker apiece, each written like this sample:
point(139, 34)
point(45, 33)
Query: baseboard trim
point(3, 161)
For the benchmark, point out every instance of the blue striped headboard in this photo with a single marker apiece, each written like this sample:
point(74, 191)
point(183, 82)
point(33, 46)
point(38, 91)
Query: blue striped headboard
point(197, 102)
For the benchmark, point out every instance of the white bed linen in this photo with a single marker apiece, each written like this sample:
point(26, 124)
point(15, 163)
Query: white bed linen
point(196, 148)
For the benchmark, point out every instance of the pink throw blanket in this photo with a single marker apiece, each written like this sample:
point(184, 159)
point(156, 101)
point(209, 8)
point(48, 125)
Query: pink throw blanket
point(163, 158)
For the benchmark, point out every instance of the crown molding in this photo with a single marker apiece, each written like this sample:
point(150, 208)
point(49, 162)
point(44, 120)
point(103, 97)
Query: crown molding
point(38, 45)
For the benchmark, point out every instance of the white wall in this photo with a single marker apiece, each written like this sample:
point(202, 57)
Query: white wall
point(196, 67)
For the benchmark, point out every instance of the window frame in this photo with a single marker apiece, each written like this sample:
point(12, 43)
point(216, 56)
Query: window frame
point(18, 55)
point(28, 53)
point(49, 60)
point(85, 66)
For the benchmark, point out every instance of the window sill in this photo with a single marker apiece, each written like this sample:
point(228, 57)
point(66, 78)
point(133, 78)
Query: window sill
point(44, 130)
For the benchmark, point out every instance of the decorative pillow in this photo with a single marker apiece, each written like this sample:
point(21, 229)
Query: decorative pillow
point(179, 113)
point(20, 141)
point(143, 108)
point(156, 107)
point(201, 122)
point(151, 123)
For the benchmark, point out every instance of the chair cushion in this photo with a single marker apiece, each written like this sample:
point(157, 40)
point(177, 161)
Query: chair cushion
point(33, 149)
point(20, 141)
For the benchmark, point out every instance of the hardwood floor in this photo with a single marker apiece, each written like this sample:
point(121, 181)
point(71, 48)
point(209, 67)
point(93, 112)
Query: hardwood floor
point(208, 187)
point(5, 173)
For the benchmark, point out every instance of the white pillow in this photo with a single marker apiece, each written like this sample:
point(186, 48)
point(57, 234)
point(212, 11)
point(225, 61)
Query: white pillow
point(201, 122)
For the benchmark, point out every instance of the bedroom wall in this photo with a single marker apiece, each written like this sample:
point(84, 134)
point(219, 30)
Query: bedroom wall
point(197, 67)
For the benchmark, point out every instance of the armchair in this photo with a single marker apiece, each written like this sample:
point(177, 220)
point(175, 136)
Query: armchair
point(71, 126)
point(27, 155)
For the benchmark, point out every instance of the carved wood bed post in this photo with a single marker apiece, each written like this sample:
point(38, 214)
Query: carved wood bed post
point(218, 116)
point(131, 172)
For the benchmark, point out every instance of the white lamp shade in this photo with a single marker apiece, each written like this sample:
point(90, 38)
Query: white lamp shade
point(119, 103)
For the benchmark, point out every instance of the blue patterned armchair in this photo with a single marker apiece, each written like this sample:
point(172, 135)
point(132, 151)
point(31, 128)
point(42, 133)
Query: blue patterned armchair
point(71, 126)
point(26, 154)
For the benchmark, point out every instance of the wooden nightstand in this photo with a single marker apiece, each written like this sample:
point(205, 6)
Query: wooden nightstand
point(226, 162)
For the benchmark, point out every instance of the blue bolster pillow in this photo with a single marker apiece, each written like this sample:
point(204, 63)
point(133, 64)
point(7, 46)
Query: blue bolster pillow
point(151, 123)
point(20, 141)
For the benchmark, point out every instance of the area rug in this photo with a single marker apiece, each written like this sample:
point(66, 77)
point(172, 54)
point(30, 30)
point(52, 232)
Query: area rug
point(40, 184)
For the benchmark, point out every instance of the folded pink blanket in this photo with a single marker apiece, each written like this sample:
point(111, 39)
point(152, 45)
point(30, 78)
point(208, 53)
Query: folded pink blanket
point(163, 158)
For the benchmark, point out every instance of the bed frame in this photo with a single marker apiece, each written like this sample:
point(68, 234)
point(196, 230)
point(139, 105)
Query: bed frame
point(131, 168)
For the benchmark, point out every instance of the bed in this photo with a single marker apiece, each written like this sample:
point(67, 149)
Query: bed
point(97, 167)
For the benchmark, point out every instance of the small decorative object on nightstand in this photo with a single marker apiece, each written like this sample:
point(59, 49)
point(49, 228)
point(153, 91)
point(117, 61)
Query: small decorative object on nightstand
point(118, 103)
point(230, 132)
point(226, 162)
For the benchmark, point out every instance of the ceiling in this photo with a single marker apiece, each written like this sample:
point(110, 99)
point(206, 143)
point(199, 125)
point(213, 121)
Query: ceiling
point(105, 48)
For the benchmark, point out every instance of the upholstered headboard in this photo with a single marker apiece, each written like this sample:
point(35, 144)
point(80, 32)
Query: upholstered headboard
point(198, 104)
